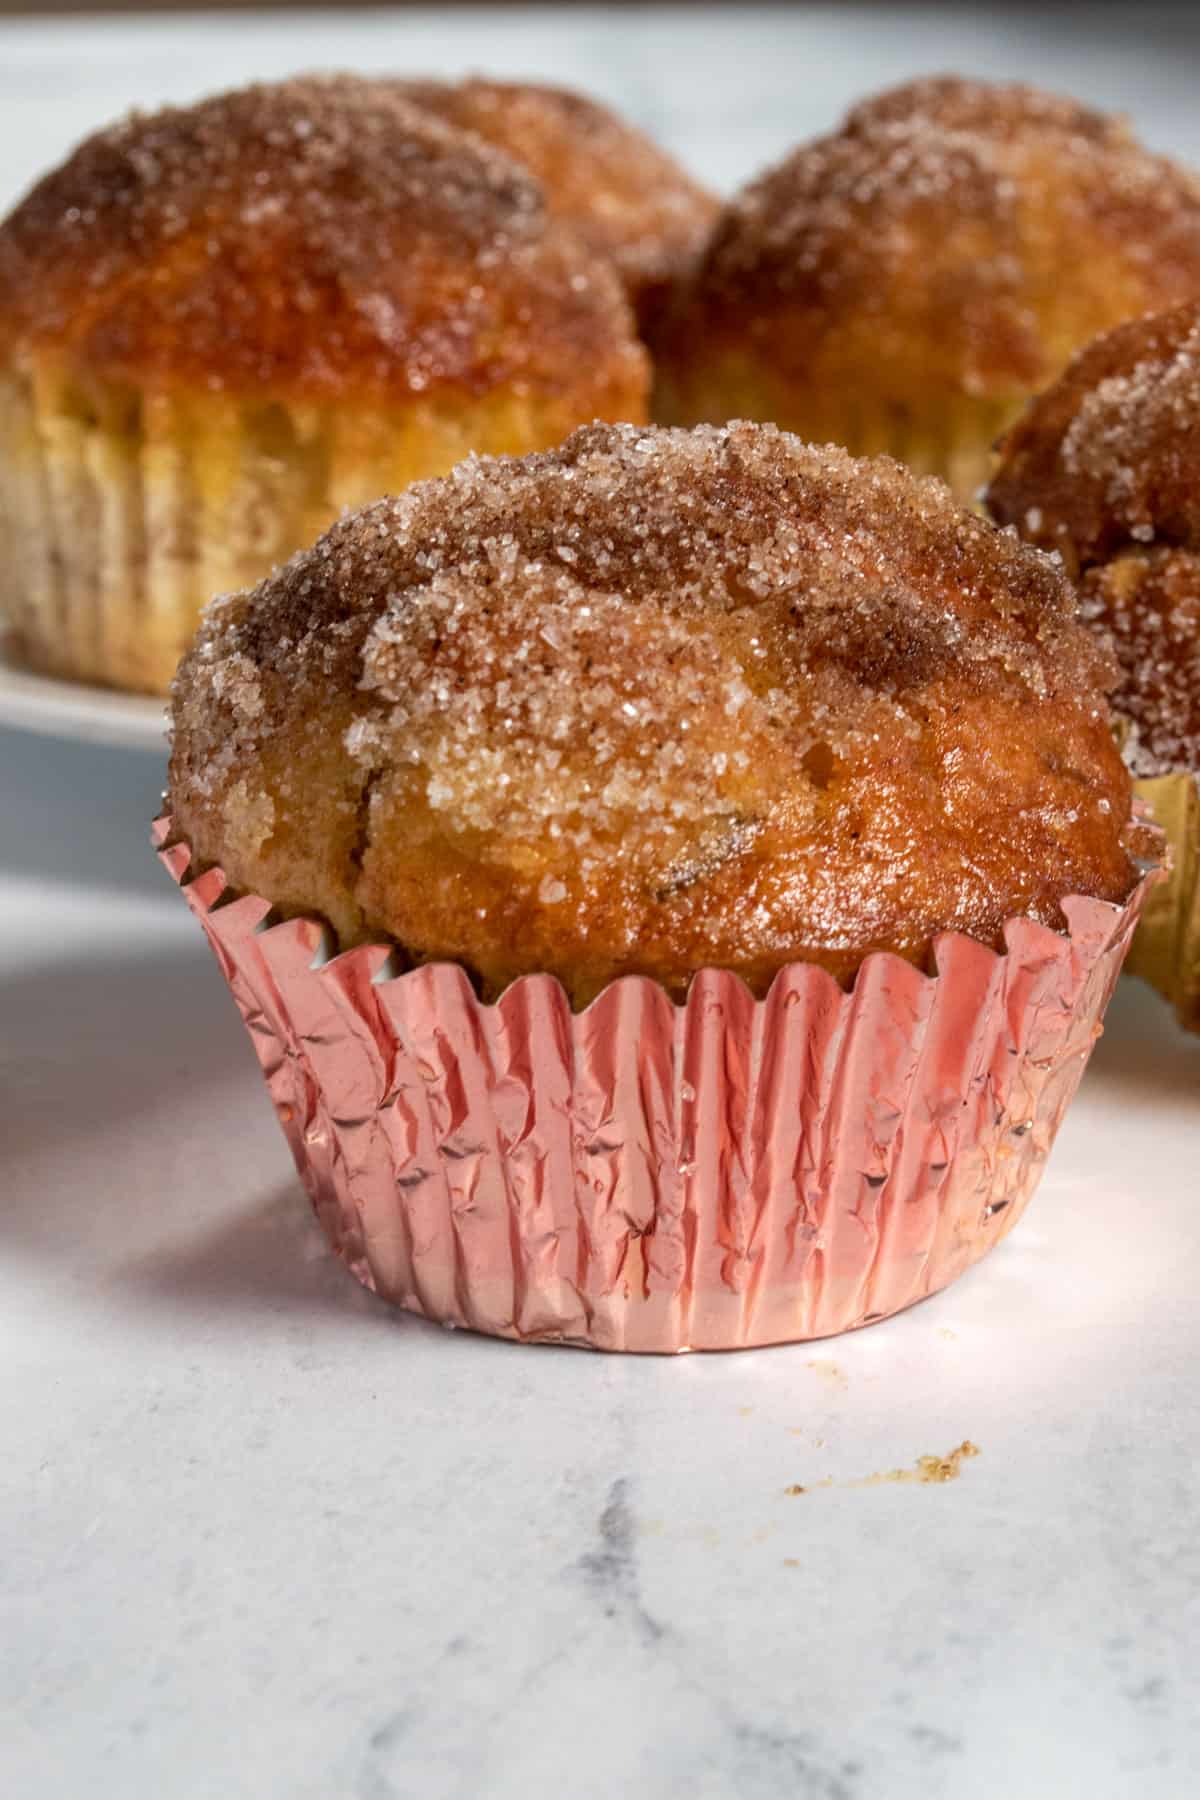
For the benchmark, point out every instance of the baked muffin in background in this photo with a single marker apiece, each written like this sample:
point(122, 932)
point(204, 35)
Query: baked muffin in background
point(624, 195)
point(222, 324)
point(653, 702)
point(722, 715)
point(906, 283)
point(1104, 468)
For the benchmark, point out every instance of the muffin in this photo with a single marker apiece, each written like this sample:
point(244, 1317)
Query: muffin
point(221, 325)
point(1105, 469)
point(905, 284)
point(729, 858)
point(624, 196)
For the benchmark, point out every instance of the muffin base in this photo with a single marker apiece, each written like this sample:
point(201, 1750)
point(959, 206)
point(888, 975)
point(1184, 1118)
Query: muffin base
point(959, 446)
point(652, 1176)
point(124, 512)
point(1166, 948)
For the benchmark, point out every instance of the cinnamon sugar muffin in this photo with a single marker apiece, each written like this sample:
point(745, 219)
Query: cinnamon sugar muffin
point(907, 282)
point(222, 324)
point(625, 197)
point(651, 702)
point(1105, 468)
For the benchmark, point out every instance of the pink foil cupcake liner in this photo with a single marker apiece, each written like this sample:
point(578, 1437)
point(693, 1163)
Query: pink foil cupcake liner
point(659, 1176)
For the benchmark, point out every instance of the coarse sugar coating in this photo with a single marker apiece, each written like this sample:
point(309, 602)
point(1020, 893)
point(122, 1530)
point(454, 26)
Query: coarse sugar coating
point(1148, 601)
point(652, 701)
point(308, 236)
point(1109, 456)
point(906, 282)
point(1105, 468)
point(619, 190)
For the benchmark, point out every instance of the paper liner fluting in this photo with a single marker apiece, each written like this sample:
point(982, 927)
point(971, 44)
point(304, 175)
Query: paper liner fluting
point(955, 440)
point(647, 1175)
point(1166, 946)
point(123, 512)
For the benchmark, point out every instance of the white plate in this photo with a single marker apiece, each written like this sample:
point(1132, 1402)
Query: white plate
point(72, 709)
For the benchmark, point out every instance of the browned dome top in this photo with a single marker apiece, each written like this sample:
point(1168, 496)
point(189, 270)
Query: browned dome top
point(987, 229)
point(656, 700)
point(1105, 467)
point(852, 574)
point(314, 233)
point(1111, 453)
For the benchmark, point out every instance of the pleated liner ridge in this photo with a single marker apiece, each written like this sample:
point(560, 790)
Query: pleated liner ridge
point(1166, 949)
point(123, 512)
point(654, 1176)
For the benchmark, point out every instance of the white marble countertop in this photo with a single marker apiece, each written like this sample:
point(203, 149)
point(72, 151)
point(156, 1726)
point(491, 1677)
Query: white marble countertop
point(262, 1539)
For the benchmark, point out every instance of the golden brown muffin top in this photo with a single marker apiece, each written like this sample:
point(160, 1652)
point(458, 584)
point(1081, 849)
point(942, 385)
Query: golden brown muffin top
point(1105, 467)
point(651, 701)
point(624, 195)
point(987, 229)
point(311, 235)
point(1110, 455)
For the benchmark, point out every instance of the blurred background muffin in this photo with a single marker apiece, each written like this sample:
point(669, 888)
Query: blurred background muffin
point(624, 196)
point(220, 325)
point(906, 283)
point(1105, 468)
point(652, 702)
